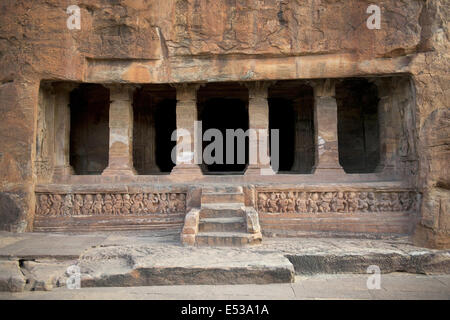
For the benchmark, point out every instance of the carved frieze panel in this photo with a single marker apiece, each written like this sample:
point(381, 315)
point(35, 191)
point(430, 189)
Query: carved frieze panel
point(337, 201)
point(113, 204)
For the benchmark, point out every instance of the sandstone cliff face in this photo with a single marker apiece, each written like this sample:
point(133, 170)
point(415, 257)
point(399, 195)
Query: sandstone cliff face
point(203, 40)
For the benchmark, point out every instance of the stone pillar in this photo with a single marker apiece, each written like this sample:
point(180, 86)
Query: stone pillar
point(386, 125)
point(120, 131)
point(258, 114)
point(325, 126)
point(187, 151)
point(62, 167)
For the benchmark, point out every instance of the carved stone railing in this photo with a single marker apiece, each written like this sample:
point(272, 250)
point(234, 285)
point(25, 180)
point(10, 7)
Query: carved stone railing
point(109, 204)
point(297, 201)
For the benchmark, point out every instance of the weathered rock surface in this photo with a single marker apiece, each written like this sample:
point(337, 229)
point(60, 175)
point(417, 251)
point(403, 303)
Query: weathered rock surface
point(11, 278)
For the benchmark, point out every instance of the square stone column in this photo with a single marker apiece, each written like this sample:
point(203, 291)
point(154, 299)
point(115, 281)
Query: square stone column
point(326, 133)
point(120, 131)
point(188, 154)
point(386, 125)
point(258, 114)
point(62, 167)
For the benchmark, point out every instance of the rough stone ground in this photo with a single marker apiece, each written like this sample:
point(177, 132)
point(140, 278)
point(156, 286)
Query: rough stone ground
point(342, 286)
point(38, 261)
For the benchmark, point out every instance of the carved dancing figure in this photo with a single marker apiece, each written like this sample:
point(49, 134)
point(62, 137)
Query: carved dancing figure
point(312, 202)
point(273, 203)
point(108, 204)
point(262, 202)
point(44, 205)
point(291, 203)
point(126, 204)
point(163, 203)
point(137, 206)
point(325, 200)
point(118, 203)
point(88, 204)
point(283, 203)
point(352, 202)
point(302, 203)
point(78, 204)
point(363, 205)
point(68, 205)
point(98, 204)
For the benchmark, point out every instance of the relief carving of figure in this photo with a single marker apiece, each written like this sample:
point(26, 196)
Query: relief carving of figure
point(181, 203)
point(312, 202)
point(262, 202)
point(273, 203)
point(325, 200)
point(163, 203)
point(118, 203)
point(372, 202)
point(352, 202)
point(395, 202)
point(291, 203)
point(87, 205)
point(137, 206)
point(283, 203)
point(302, 203)
point(57, 203)
point(363, 205)
point(68, 205)
point(98, 204)
point(406, 201)
point(153, 204)
point(44, 205)
point(78, 204)
point(339, 204)
point(172, 202)
point(108, 204)
point(385, 203)
point(126, 204)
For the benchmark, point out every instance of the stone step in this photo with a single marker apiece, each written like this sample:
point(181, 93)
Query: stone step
point(222, 210)
point(219, 197)
point(235, 239)
point(144, 266)
point(222, 224)
point(222, 189)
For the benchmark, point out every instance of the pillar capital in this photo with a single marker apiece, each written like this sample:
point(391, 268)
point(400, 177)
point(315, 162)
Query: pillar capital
point(258, 89)
point(324, 87)
point(120, 91)
point(186, 91)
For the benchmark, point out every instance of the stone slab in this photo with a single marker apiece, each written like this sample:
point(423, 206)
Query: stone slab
point(153, 265)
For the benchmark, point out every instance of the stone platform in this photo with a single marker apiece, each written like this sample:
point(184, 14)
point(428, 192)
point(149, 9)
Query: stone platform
point(39, 261)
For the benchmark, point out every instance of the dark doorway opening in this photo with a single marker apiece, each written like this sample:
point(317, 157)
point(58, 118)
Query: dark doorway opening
point(291, 111)
point(154, 114)
point(89, 129)
point(358, 128)
point(224, 106)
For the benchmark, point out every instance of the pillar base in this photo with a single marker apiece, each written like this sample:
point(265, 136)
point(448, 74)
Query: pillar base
point(328, 171)
point(63, 171)
point(187, 170)
point(254, 170)
point(119, 172)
